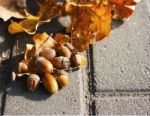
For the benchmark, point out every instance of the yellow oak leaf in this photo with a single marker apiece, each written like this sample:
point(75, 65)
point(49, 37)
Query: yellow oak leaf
point(30, 52)
point(43, 41)
point(101, 21)
point(48, 10)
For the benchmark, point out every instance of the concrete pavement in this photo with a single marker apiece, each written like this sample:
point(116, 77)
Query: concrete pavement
point(115, 82)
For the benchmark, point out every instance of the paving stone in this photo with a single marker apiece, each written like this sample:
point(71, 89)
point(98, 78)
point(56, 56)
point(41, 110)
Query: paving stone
point(122, 61)
point(123, 106)
point(67, 101)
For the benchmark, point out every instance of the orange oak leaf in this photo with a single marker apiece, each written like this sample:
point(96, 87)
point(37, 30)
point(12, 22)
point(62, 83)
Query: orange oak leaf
point(10, 8)
point(48, 10)
point(61, 38)
point(101, 21)
point(123, 8)
point(90, 24)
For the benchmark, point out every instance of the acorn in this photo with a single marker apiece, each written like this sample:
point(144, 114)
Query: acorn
point(70, 46)
point(64, 51)
point(78, 60)
point(33, 82)
point(44, 65)
point(62, 78)
point(61, 62)
point(50, 83)
point(22, 67)
point(48, 53)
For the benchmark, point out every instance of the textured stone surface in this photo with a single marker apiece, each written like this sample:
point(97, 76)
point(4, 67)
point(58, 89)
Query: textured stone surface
point(123, 106)
point(122, 61)
point(66, 101)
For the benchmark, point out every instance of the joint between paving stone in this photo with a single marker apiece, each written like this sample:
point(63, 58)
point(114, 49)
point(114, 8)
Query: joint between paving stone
point(7, 77)
point(91, 81)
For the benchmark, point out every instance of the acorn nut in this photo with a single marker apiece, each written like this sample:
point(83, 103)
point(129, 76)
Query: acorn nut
point(50, 83)
point(22, 67)
point(61, 62)
point(64, 51)
point(48, 53)
point(44, 65)
point(62, 78)
point(77, 60)
point(70, 46)
point(33, 82)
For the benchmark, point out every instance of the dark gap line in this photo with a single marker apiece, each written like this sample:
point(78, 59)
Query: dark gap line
point(3, 102)
point(7, 76)
point(92, 71)
point(91, 83)
point(92, 108)
point(123, 91)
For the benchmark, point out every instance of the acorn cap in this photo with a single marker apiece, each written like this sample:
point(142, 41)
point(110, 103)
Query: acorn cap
point(61, 62)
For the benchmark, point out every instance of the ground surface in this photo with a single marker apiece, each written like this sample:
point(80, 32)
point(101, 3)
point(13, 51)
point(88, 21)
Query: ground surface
point(116, 80)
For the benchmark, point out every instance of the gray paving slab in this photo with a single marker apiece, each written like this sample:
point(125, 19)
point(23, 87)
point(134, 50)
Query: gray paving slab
point(66, 101)
point(123, 106)
point(122, 61)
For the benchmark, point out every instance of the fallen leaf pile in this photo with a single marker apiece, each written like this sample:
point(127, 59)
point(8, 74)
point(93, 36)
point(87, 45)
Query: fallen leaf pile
point(50, 57)
point(47, 61)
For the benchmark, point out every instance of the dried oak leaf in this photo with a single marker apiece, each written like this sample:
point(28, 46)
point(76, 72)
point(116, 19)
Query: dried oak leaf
point(90, 24)
point(43, 40)
point(29, 57)
point(9, 8)
point(48, 10)
point(123, 8)
point(61, 38)
point(30, 52)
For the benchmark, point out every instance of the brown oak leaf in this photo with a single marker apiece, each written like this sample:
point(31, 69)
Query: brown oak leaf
point(48, 10)
point(9, 8)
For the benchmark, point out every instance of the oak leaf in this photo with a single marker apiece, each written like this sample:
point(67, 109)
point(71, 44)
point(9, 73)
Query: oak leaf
point(90, 24)
point(123, 8)
point(9, 8)
point(43, 40)
point(61, 38)
point(48, 10)
point(30, 52)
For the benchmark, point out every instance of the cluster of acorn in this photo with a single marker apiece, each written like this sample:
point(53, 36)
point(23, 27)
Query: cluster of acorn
point(51, 65)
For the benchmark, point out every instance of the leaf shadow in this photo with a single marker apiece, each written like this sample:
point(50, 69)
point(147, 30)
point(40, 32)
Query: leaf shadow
point(116, 23)
point(19, 88)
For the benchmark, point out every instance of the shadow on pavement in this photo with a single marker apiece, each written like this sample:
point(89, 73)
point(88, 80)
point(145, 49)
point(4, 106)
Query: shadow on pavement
point(19, 88)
